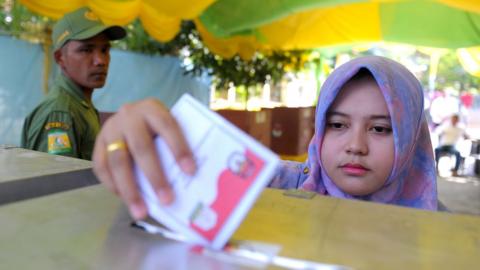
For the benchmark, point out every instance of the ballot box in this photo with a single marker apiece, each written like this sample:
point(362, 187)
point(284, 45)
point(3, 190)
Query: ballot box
point(26, 174)
point(89, 228)
point(255, 123)
point(292, 130)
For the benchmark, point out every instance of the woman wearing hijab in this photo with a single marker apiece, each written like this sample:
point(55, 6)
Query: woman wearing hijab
point(371, 138)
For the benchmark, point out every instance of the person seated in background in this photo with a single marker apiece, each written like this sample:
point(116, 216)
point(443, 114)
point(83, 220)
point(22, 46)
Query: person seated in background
point(371, 142)
point(66, 122)
point(449, 135)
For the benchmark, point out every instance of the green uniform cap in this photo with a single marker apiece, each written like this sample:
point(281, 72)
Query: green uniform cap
point(82, 24)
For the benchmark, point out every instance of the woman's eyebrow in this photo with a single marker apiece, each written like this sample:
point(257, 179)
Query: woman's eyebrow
point(336, 113)
point(372, 117)
point(380, 116)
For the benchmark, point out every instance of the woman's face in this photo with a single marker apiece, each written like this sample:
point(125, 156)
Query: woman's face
point(357, 151)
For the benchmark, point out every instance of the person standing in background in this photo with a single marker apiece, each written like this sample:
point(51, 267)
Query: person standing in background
point(66, 122)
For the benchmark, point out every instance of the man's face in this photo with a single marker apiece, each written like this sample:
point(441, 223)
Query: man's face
point(85, 62)
point(454, 120)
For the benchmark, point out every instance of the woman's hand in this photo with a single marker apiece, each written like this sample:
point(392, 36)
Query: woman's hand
point(127, 138)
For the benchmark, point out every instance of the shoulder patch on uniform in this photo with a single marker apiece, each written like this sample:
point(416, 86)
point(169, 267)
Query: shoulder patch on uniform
point(54, 125)
point(58, 142)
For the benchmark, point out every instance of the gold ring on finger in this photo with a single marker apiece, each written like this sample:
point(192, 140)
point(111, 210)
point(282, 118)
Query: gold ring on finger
point(116, 145)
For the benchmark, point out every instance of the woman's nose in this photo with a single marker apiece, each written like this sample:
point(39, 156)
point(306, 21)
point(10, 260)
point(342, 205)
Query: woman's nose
point(358, 143)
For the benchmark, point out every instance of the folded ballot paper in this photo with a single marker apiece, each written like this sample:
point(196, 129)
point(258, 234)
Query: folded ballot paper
point(232, 170)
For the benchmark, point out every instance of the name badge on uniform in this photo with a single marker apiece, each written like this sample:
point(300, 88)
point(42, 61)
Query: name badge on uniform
point(58, 142)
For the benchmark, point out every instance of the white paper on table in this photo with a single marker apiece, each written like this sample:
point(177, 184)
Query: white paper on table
point(232, 170)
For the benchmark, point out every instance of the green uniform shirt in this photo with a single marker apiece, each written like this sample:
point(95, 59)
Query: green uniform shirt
point(65, 123)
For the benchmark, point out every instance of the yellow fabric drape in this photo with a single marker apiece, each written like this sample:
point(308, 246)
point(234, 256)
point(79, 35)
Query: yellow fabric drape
point(245, 46)
point(158, 25)
point(114, 11)
point(324, 27)
point(161, 19)
point(185, 9)
point(52, 8)
point(122, 12)
point(318, 27)
point(467, 5)
point(314, 28)
point(470, 60)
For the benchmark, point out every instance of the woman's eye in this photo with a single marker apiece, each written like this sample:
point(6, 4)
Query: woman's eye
point(336, 125)
point(380, 129)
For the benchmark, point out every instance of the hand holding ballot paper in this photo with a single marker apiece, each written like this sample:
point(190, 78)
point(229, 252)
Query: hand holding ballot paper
point(232, 170)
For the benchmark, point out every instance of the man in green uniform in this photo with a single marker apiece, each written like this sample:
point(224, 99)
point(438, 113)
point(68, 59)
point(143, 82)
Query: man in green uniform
point(66, 122)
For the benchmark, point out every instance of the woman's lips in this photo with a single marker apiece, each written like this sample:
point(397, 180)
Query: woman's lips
point(354, 169)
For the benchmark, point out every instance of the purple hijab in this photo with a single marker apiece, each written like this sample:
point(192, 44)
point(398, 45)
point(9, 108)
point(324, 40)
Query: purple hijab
point(412, 181)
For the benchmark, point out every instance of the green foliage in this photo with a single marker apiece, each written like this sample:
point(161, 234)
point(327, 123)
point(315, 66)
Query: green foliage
point(198, 59)
point(236, 71)
point(137, 40)
point(449, 75)
point(452, 75)
point(18, 21)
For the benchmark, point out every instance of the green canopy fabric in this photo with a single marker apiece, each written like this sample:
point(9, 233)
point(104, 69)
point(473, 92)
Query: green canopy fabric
point(278, 22)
